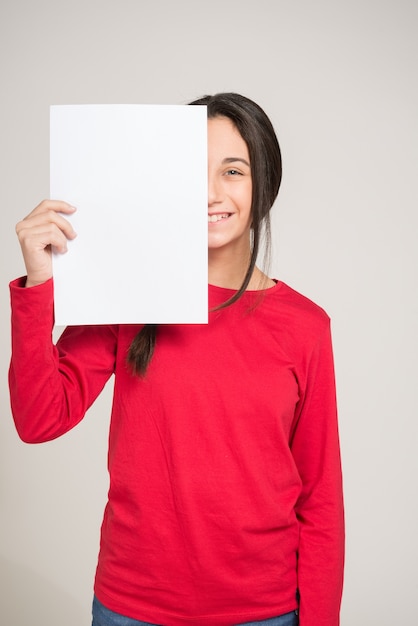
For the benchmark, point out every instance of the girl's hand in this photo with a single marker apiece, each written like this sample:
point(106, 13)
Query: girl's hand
point(42, 231)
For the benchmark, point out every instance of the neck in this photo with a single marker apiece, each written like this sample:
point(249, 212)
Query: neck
point(228, 271)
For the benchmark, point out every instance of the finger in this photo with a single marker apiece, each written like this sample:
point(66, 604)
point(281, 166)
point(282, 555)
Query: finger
point(59, 206)
point(37, 239)
point(43, 220)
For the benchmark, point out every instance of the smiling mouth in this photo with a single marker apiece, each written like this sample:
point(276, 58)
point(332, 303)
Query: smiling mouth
point(218, 217)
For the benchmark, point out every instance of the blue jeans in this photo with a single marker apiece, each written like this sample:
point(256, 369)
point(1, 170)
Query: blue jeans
point(103, 617)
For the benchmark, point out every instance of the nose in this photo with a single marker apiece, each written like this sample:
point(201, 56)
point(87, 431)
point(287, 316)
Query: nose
point(215, 193)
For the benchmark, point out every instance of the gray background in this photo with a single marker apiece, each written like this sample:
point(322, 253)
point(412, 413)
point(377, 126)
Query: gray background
point(339, 80)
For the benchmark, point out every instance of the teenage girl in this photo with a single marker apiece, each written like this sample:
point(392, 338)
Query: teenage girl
point(225, 499)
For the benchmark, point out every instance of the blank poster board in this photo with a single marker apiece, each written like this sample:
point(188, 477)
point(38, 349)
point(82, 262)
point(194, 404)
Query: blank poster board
point(137, 175)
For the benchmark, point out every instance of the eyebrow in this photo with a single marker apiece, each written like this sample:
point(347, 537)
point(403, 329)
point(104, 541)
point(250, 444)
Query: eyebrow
point(234, 159)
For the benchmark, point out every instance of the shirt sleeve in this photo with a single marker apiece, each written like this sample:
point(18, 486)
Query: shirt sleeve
point(52, 386)
point(315, 448)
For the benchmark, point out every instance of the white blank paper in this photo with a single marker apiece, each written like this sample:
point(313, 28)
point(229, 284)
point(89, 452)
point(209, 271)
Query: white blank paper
point(138, 177)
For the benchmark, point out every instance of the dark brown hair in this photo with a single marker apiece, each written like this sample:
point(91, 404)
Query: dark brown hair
point(266, 172)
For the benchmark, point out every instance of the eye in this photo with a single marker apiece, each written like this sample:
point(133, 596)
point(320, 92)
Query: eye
point(233, 172)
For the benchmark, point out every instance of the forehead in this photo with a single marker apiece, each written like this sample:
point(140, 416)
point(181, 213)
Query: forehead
point(224, 138)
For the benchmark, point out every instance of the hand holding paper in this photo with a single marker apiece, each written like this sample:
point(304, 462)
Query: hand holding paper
point(44, 230)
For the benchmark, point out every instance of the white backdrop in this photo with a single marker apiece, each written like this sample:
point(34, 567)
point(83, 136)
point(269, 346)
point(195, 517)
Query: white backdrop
point(339, 80)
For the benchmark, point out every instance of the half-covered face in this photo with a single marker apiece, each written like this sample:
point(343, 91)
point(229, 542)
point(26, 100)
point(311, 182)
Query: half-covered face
point(229, 186)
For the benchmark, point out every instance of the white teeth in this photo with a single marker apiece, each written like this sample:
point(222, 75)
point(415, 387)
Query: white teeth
point(217, 218)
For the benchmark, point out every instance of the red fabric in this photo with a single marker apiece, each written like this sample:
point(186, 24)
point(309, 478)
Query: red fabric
point(225, 481)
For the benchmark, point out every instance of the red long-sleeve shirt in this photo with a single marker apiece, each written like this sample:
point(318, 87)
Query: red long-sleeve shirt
point(225, 482)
